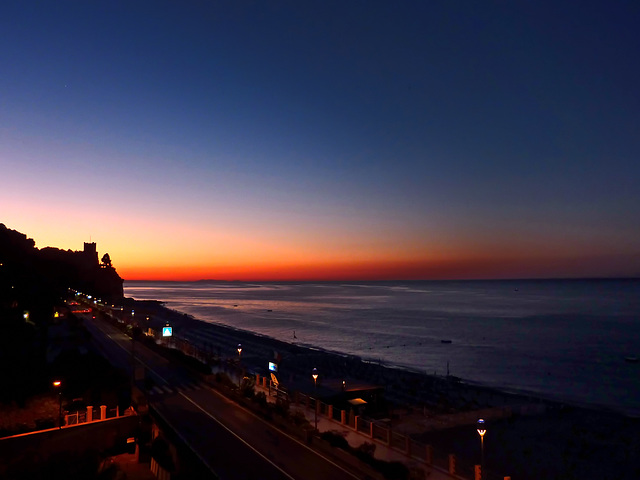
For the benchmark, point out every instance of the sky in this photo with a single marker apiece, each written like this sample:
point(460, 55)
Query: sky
point(360, 140)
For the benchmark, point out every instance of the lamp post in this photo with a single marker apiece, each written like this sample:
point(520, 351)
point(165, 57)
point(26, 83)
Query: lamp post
point(314, 374)
point(481, 431)
point(239, 361)
point(57, 384)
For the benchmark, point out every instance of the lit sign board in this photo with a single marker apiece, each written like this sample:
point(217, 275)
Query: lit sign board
point(167, 331)
point(273, 367)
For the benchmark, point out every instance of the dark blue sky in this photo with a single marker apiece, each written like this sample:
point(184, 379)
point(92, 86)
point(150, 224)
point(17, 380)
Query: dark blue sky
point(331, 134)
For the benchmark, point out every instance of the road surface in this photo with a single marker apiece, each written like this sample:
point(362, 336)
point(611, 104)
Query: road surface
point(229, 440)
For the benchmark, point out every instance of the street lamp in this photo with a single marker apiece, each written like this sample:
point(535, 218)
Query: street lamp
point(57, 384)
point(239, 367)
point(314, 374)
point(481, 431)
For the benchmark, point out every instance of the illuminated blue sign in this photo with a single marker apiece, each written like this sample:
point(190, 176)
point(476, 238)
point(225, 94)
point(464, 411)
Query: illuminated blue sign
point(167, 331)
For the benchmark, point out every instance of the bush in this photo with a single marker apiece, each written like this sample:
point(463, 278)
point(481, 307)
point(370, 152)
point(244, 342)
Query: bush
point(247, 390)
point(393, 470)
point(390, 470)
point(224, 379)
point(335, 439)
point(282, 408)
point(299, 419)
point(261, 399)
point(367, 448)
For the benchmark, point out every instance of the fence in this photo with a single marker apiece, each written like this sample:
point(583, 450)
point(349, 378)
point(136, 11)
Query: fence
point(383, 434)
point(92, 414)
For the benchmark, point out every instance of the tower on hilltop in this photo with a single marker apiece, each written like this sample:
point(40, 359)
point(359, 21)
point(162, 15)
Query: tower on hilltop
point(91, 252)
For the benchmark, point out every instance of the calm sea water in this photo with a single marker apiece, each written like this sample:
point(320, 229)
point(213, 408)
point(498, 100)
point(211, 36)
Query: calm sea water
point(562, 339)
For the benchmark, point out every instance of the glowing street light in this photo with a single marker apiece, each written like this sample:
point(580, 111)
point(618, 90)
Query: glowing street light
point(239, 362)
point(57, 385)
point(481, 431)
point(314, 374)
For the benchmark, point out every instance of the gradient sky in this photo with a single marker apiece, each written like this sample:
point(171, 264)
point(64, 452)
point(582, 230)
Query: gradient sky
point(325, 140)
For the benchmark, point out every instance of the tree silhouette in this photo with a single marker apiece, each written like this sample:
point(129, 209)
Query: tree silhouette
point(106, 260)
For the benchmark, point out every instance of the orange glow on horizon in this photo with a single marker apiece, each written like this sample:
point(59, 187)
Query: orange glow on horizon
point(154, 249)
point(441, 269)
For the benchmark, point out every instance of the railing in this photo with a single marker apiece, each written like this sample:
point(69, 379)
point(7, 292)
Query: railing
point(400, 442)
point(75, 418)
point(379, 432)
point(92, 414)
point(363, 425)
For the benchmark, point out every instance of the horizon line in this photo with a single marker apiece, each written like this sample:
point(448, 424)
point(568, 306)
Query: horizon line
point(391, 280)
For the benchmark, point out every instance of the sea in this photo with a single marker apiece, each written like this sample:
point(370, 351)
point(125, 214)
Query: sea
point(576, 341)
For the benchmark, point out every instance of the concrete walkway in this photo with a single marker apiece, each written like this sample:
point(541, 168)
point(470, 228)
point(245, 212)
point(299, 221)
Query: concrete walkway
point(355, 439)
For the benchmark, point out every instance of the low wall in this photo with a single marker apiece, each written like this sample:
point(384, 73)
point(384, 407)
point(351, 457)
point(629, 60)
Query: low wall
point(23, 452)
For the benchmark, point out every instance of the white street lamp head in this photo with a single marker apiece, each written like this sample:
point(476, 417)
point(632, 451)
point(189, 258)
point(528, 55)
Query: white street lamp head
point(481, 428)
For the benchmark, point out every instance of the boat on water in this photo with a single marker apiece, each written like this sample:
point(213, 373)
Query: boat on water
point(446, 341)
point(631, 359)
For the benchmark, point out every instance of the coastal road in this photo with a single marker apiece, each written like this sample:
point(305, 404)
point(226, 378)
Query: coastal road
point(230, 440)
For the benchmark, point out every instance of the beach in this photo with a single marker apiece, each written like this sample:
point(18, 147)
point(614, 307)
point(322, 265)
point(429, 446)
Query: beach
point(528, 437)
point(564, 340)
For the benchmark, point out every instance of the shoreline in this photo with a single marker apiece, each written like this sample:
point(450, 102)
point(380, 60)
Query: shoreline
point(510, 396)
point(529, 437)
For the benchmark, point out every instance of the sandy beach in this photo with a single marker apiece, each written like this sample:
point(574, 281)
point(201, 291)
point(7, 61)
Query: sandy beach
point(527, 437)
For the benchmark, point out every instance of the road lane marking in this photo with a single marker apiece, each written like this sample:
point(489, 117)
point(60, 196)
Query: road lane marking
point(326, 459)
point(230, 431)
point(293, 439)
point(237, 436)
point(185, 441)
point(127, 350)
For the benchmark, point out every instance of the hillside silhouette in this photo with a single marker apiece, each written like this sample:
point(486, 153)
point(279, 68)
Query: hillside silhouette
point(34, 284)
